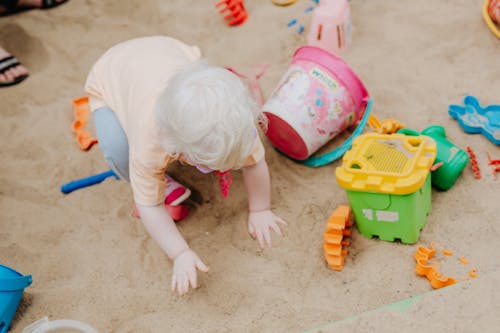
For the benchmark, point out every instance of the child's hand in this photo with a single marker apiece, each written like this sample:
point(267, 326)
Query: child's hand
point(185, 265)
point(260, 223)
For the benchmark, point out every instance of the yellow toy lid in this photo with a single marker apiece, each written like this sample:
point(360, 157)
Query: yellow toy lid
point(387, 163)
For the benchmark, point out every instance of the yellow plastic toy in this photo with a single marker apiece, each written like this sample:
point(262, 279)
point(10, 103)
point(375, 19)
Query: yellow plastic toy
point(495, 29)
point(387, 126)
point(388, 184)
point(284, 2)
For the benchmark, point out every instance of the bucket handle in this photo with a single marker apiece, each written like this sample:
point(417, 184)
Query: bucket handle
point(327, 158)
point(16, 283)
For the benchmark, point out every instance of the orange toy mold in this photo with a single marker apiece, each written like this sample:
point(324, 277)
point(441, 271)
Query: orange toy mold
point(447, 252)
point(237, 12)
point(429, 269)
point(82, 110)
point(338, 226)
point(437, 280)
point(463, 260)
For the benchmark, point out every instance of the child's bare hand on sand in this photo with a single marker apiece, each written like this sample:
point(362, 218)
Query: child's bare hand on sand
point(185, 271)
point(260, 225)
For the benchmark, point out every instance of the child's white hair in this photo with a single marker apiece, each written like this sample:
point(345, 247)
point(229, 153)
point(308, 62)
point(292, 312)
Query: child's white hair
point(208, 115)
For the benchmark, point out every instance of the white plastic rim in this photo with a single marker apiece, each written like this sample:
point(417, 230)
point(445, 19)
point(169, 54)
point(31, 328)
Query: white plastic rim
point(59, 326)
point(66, 324)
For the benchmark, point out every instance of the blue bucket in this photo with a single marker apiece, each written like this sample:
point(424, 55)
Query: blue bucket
point(12, 286)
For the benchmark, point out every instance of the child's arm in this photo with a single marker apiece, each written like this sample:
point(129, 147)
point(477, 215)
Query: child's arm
point(164, 231)
point(261, 219)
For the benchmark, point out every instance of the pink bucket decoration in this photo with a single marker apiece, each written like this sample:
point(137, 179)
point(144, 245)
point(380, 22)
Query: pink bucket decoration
point(317, 98)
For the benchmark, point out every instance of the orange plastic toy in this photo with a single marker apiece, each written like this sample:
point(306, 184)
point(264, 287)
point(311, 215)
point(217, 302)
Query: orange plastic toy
point(437, 280)
point(82, 110)
point(339, 225)
point(429, 269)
point(387, 126)
point(237, 14)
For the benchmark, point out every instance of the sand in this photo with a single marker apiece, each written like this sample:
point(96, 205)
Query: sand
point(92, 261)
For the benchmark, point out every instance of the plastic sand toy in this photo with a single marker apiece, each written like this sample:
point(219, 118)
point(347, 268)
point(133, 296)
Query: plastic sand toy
point(452, 158)
point(388, 184)
point(316, 99)
point(44, 325)
point(87, 181)
point(338, 226)
point(477, 119)
point(430, 269)
point(474, 164)
point(330, 26)
point(12, 285)
point(82, 110)
point(491, 15)
point(237, 14)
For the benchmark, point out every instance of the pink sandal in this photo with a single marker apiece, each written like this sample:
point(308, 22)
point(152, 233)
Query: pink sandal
point(175, 193)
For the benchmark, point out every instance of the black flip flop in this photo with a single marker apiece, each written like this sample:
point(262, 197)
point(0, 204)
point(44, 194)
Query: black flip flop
point(51, 3)
point(12, 7)
point(7, 63)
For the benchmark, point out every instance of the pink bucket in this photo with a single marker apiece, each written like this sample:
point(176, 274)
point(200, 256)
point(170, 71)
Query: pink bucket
point(317, 98)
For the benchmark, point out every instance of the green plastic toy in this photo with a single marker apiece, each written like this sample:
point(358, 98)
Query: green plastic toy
point(388, 184)
point(453, 158)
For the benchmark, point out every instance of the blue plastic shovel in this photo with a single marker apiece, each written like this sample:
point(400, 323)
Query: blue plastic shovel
point(88, 181)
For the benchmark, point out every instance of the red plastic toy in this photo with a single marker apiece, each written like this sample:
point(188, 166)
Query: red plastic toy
point(237, 13)
point(494, 10)
point(474, 164)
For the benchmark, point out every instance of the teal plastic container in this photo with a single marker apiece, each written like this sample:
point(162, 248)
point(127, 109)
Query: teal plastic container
point(12, 285)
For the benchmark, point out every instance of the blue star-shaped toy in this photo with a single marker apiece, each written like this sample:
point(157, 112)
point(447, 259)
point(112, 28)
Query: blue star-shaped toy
point(477, 119)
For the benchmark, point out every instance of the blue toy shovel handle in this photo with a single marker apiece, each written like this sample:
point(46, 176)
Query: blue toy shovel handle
point(88, 181)
point(317, 161)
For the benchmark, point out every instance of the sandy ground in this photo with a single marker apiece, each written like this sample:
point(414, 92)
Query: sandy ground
point(92, 261)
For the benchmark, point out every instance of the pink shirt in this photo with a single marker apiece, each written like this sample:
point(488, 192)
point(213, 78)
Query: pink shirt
point(128, 79)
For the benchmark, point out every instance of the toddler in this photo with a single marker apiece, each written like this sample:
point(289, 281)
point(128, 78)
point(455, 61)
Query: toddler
point(155, 102)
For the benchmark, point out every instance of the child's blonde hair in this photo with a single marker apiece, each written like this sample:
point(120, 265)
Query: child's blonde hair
point(207, 114)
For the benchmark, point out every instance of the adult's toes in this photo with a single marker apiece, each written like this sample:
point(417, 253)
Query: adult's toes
point(20, 71)
point(9, 75)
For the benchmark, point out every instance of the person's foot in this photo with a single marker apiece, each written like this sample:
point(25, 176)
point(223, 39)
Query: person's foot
point(13, 6)
point(175, 193)
point(11, 70)
point(39, 3)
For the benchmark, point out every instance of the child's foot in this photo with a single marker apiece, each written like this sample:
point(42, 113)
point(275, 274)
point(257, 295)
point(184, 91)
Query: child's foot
point(11, 70)
point(177, 213)
point(175, 193)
